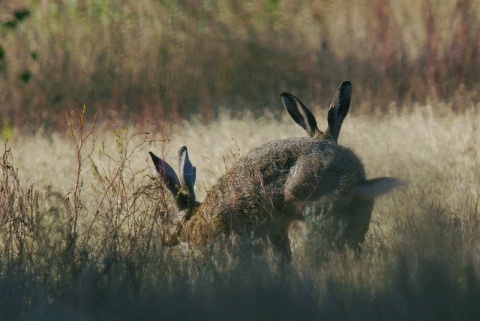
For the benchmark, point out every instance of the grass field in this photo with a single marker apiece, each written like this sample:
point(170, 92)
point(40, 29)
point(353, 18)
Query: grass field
point(81, 229)
point(80, 205)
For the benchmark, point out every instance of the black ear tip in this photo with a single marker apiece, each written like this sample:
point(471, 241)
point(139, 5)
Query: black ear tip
point(156, 160)
point(286, 95)
point(153, 156)
point(346, 86)
point(182, 150)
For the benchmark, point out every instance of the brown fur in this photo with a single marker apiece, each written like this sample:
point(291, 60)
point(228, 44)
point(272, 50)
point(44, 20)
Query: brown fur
point(270, 186)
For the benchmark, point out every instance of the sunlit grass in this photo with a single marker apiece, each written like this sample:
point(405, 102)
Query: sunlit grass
point(422, 233)
point(81, 206)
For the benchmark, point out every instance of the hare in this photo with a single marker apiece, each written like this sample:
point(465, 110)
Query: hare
point(272, 186)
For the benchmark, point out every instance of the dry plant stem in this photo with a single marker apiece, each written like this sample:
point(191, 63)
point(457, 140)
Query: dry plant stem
point(233, 156)
point(109, 182)
point(19, 214)
point(80, 136)
point(6, 221)
point(233, 175)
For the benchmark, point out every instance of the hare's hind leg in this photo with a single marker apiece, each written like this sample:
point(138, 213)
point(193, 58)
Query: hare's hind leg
point(297, 234)
point(304, 183)
point(281, 247)
point(280, 241)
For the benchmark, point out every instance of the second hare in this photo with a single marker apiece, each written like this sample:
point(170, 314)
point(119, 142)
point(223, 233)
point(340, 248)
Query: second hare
point(269, 187)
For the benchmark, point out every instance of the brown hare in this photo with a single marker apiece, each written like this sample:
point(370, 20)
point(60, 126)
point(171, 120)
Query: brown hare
point(272, 185)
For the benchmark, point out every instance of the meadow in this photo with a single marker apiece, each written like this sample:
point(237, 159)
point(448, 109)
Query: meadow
point(88, 88)
point(81, 225)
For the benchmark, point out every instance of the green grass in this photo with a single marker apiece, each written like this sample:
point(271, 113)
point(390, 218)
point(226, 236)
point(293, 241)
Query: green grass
point(81, 229)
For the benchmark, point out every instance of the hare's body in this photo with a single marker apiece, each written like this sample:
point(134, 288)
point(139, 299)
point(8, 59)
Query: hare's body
point(270, 186)
point(252, 198)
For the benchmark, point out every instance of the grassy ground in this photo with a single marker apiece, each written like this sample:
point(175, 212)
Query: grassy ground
point(80, 206)
point(80, 226)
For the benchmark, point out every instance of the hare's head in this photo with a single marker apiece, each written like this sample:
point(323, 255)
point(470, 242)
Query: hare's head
point(182, 188)
point(336, 114)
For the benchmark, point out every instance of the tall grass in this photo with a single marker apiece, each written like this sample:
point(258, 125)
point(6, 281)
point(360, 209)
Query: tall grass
point(166, 60)
point(80, 226)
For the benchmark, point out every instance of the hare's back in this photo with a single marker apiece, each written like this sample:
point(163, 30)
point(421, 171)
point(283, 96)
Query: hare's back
point(306, 158)
point(283, 154)
point(323, 170)
point(295, 164)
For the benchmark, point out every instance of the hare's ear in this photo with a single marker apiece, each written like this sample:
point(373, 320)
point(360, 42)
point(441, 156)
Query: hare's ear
point(300, 114)
point(339, 109)
point(167, 174)
point(372, 188)
point(188, 172)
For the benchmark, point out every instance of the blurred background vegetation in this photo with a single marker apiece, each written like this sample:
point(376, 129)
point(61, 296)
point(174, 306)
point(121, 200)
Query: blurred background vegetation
point(151, 60)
